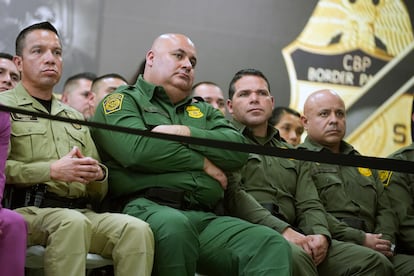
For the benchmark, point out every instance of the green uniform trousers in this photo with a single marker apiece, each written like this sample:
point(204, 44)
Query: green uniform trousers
point(403, 264)
point(343, 259)
point(190, 241)
point(68, 235)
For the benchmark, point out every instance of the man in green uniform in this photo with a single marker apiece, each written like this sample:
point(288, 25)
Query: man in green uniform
point(399, 187)
point(359, 209)
point(175, 186)
point(291, 206)
point(55, 171)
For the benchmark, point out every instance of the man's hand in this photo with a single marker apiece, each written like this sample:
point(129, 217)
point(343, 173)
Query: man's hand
point(173, 129)
point(298, 239)
point(74, 167)
point(375, 242)
point(319, 246)
point(215, 172)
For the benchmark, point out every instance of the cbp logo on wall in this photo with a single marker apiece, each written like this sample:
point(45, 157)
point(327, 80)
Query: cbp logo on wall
point(344, 44)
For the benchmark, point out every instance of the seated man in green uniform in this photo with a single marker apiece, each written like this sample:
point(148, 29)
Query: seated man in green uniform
point(359, 209)
point(176, 186)
point(288, 204)
point(56, 175)
point(399, 187)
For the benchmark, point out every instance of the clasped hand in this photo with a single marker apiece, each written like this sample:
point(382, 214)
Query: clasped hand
point(75, 167)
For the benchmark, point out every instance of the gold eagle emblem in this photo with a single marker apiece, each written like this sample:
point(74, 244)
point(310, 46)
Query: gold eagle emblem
point(380, 27)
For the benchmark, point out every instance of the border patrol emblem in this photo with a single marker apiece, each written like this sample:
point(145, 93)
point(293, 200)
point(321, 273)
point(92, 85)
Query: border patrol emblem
point(342, 47)
point(365, 171)
point(194, 112)
point(113, 103)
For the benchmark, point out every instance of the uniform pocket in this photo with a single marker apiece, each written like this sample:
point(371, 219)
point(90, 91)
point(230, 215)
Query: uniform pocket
point(77, 137)
point(27, 137)
point(331, 191)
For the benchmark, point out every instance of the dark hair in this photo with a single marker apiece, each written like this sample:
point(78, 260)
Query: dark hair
point(279, 111)
point(110, 75)
point(85, 75)
point(242, 73)
point(6, 56)
point(38, 26)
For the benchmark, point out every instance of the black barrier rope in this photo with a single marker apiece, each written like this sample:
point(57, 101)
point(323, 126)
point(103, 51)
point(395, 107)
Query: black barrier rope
point(321, 157)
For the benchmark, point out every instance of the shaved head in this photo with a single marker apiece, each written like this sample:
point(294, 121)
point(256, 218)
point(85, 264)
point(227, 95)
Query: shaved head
point(316, 96)
point(324, 118)
point(170, 63)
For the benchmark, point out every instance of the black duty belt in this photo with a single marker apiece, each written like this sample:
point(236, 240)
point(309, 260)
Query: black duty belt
point(274, 210)
point(355, 223)
point(37, 195)
point(171, 197)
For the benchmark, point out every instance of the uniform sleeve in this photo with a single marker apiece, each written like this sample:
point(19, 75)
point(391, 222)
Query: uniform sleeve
point(138, 152)
point(398, 188)
point(311, 215)
point(242, 205)
point(96, 189)
point(27, 172)
point(386, 219)
point(219, 128)
point(342, 232)
point(399, 193)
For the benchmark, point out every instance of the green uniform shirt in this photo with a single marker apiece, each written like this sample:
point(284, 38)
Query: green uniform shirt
point(350, 192)
point(399, 185)
point(36, 142)
point(280, 182)
point(137, 162)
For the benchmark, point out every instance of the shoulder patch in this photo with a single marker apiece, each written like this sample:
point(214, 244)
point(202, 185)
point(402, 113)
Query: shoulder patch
point(113, 103)
point(194, 111)
point(385, 177)
point(365, 171)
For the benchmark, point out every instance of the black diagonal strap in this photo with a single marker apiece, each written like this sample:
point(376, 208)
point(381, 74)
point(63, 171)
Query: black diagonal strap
point(321, 157)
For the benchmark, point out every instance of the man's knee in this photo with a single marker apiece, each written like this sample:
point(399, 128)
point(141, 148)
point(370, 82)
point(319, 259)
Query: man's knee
point(75, 221)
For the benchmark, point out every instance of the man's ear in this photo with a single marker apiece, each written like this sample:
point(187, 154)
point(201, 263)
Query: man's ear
point(18, 62)
point(64, 98)
point(150, 58)
point(229, 106)
point(304, 122)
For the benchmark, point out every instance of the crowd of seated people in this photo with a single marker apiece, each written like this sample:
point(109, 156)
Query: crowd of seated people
point(161, 207)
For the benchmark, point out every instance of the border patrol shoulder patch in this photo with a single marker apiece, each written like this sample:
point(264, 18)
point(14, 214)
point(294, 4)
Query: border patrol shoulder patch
point(194, 112)
point(113, 103)
point(365, 171)
point(385, 177)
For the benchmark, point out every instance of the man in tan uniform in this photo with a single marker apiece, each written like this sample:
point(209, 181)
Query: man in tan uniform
point(55, 171)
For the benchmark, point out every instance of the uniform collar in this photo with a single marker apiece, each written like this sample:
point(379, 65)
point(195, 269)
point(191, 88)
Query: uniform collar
point(345, 148)
point(23, 98)
point(272, 133)
point(152, 90)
